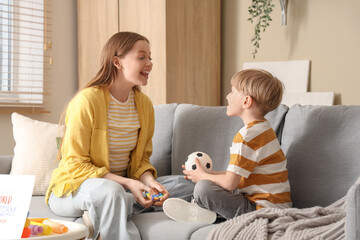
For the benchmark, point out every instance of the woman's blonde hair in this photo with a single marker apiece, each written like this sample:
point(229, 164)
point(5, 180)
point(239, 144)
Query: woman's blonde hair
point(262, 86)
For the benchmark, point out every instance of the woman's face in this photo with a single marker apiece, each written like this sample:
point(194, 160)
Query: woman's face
point(136, 64)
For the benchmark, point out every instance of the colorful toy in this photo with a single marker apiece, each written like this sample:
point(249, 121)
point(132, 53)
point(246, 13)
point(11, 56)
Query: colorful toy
point(27, 223)
point(56, 227)
point(35, 229)
point(154, 197)
point(26, 233)
point(39, 220)
point(204, 159)
point(46, 229)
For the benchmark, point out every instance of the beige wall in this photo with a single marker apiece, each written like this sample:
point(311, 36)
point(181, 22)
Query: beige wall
point(327, 32)
point(64, 71)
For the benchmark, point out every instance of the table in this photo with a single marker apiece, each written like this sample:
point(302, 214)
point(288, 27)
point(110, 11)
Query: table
point(76, 231)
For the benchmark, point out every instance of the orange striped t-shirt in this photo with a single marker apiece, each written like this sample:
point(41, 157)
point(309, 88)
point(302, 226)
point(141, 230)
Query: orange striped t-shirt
point(256, 155)
point(123, 127)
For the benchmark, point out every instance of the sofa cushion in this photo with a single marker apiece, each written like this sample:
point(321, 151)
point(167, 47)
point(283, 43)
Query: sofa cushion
point(321, 144)
point(161, 156)
point(210, 130)
point(277, 118)
point(163, 227)
point(202, 233)
point(35, 149)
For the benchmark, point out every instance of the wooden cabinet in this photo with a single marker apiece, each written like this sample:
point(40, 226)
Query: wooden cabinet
point(184, 40)
point(97, 21)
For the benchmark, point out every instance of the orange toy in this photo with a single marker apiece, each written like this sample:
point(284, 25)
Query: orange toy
point(39, 220)
point(56, 227)
point(27, 223)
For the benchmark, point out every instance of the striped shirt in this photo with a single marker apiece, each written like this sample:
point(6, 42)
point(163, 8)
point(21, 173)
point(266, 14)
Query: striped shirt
point(256, 155)
point(123, 126)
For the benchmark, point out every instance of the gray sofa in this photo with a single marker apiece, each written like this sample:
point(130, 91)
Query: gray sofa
point(322, 146)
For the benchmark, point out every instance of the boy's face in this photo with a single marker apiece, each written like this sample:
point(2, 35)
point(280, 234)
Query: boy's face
point(235, 102)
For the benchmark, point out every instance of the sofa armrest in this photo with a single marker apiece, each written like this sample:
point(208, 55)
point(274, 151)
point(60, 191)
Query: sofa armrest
point(5, 164)
point(352, 223)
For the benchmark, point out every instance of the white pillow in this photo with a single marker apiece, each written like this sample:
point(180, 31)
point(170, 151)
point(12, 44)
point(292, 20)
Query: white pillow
point(35, 149)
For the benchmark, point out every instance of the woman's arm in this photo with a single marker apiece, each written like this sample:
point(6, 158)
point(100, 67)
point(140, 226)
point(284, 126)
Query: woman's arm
point(75, 147)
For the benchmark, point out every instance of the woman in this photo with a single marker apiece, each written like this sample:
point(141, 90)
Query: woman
point(104, 166)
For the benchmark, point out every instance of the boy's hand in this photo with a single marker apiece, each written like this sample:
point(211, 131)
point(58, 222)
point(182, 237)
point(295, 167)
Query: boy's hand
point(195, 175)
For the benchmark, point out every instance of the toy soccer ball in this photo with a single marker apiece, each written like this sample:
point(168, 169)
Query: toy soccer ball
point(205, 161)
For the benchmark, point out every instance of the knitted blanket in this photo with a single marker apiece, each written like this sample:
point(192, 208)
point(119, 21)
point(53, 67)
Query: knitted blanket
point(291, 223)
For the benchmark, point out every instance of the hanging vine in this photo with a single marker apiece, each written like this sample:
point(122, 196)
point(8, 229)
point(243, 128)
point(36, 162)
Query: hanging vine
point(260, 11)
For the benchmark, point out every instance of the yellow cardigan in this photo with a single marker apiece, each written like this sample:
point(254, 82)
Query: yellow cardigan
point(85, 147)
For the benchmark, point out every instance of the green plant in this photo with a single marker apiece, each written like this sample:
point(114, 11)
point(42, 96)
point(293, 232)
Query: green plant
point(260, 11)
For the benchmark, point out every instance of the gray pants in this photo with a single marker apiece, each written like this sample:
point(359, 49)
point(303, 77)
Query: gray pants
point(226, 204)
point(110, 206)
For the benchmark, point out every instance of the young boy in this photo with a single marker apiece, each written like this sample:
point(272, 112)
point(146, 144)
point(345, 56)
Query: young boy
point(257, 176)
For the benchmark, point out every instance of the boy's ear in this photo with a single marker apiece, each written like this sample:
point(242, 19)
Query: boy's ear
point(248, 101)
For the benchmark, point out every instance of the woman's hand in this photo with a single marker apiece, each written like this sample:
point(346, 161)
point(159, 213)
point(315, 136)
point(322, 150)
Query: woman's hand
point(137, 188)
point(155, 187)
point(195, 175)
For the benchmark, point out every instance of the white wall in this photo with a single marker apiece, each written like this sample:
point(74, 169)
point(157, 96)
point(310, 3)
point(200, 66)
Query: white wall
point(63, 78)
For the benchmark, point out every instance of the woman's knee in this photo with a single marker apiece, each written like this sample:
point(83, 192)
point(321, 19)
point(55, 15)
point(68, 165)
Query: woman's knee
point(109, 188)
point(63, 206)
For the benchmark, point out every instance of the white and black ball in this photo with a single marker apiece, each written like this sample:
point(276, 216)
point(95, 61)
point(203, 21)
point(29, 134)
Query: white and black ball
point(204, 159)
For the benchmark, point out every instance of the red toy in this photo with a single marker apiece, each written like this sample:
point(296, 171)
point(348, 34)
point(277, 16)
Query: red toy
point(26, 233)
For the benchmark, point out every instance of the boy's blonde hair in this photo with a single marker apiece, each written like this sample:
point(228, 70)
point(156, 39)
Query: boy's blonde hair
point(262, 86)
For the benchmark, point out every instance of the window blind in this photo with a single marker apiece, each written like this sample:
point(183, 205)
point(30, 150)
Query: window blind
point(25, 56)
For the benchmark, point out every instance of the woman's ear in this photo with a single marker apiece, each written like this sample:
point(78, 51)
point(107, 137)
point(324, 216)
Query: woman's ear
point(117, 63)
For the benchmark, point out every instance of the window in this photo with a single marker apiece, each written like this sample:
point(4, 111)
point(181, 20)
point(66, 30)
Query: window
point(24, 47)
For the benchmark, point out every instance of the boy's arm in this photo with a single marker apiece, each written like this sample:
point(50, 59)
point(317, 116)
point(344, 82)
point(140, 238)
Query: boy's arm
point(227, 180)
